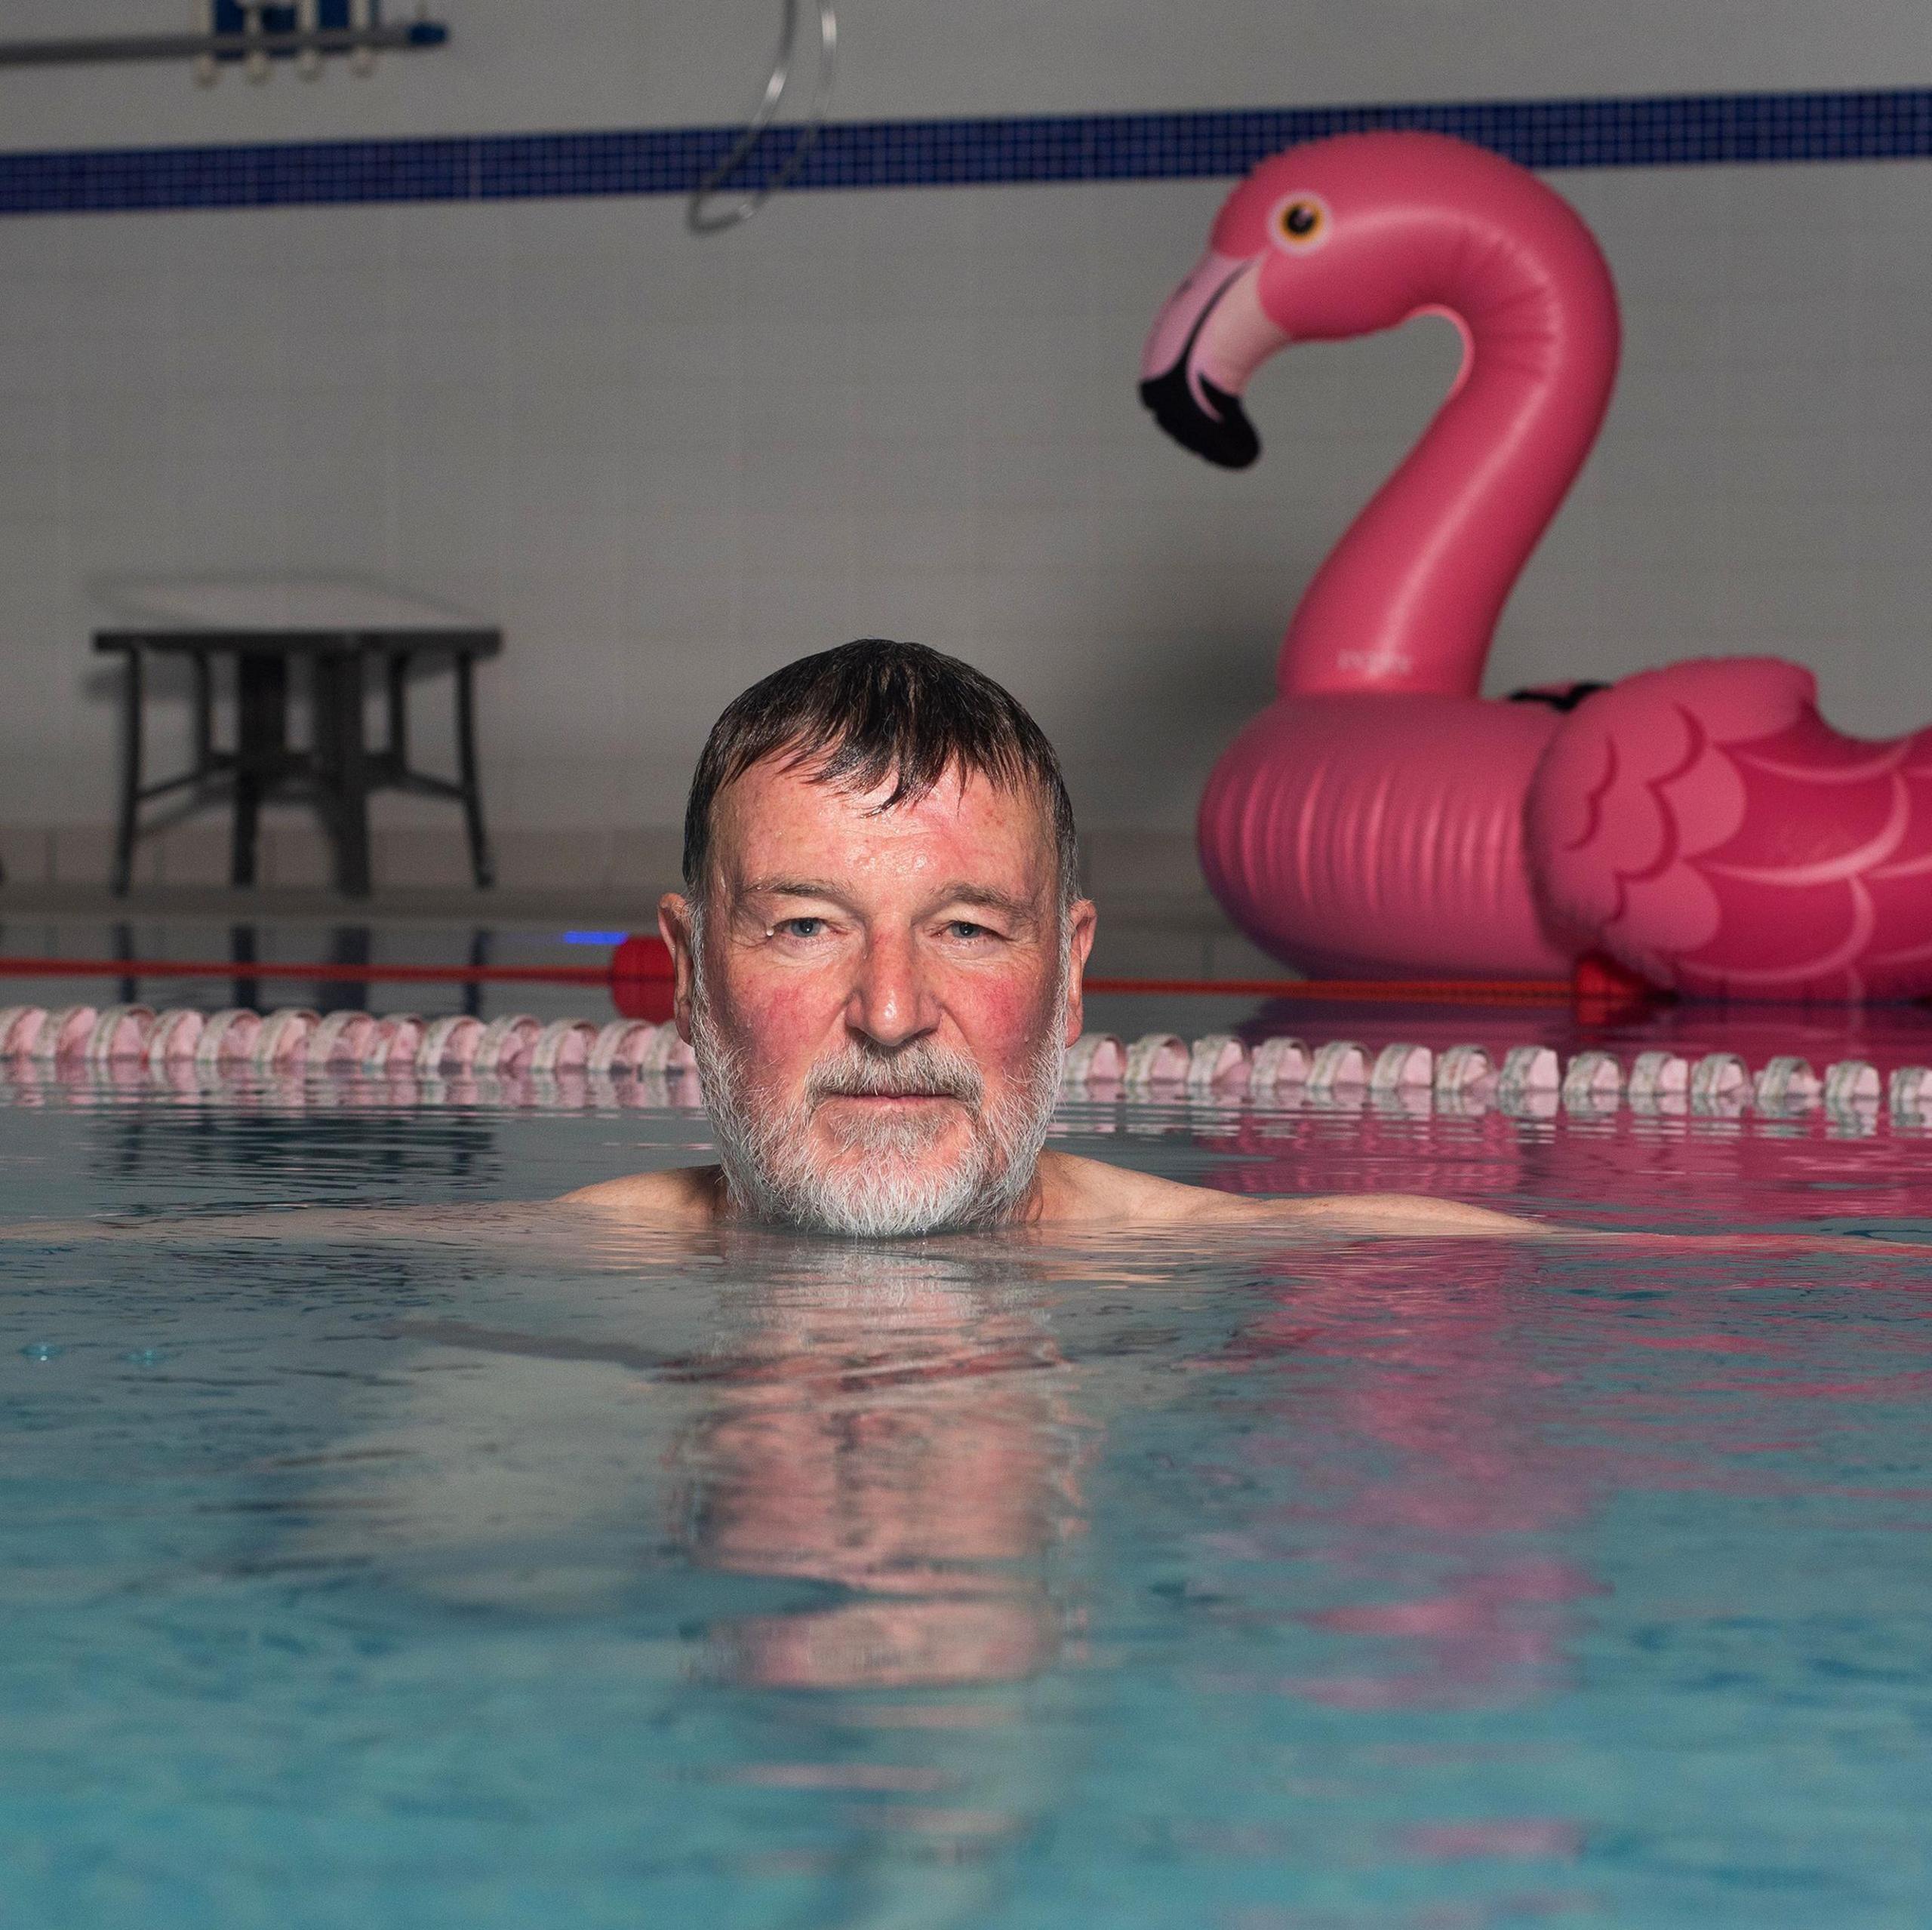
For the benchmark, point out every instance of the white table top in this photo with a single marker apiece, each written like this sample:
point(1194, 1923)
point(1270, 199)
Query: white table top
point(274, 602)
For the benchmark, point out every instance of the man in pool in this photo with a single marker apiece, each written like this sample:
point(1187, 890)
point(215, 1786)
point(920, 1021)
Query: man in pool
point(878, 952)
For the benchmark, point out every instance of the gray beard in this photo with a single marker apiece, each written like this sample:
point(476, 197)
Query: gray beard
point(773, 1173)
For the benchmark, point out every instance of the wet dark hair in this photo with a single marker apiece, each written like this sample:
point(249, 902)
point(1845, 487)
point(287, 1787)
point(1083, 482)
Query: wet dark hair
point(874, 709)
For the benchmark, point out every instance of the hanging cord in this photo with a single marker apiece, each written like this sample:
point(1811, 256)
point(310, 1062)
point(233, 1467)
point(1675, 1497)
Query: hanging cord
point(699, 217)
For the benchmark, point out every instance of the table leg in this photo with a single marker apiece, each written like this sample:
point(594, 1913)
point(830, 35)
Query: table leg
point(348, 944)
point(131, 776)
point(481, 865)
point(345, 766)
point(479, 954)
point(204, 716)
point(397, 667)
point(248, 988)
point(124, 948)
point(261, 748)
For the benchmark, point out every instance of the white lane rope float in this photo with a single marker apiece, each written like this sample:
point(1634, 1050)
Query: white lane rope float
point(518, 1057)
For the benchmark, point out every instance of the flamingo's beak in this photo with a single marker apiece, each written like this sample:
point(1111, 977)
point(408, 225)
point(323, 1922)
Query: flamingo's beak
point(1210, 337)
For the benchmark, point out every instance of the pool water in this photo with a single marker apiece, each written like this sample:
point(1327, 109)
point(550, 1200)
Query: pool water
point(762, 1581)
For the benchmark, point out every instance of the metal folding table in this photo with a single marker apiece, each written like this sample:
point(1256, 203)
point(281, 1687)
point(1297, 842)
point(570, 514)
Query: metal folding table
point(340, 771)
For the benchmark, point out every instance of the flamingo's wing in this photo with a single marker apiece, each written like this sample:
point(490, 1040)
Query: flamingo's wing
point(1707, 827)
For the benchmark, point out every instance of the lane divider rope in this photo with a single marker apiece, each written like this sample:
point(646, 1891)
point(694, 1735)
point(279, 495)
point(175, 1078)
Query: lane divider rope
point(131, 1042)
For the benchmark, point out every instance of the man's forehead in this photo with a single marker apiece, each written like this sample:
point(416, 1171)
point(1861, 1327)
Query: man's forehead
point(778, 806)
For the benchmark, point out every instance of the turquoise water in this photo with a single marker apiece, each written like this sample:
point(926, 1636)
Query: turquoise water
point(768, 1582)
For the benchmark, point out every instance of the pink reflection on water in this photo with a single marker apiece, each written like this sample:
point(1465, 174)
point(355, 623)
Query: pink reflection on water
point(1465, 1610)
point(1418, 1422)
point(1445, 1414)
point(1489, 1913)
point(1521, 1839)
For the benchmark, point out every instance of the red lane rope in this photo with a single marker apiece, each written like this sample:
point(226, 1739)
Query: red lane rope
point(1406, 991)
point(1430, 991)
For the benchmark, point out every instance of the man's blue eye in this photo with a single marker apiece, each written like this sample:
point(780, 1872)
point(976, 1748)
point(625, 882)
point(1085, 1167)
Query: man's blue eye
point(804, 927)
point(965, 928)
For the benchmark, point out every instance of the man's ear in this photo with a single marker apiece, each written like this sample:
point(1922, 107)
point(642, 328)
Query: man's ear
point(1081, 919)
point(677, 927)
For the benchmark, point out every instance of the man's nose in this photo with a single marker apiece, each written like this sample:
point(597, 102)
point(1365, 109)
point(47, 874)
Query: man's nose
point(890, 1003)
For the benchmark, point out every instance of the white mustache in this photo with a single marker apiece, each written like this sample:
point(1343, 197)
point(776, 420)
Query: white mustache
point(915, 1071)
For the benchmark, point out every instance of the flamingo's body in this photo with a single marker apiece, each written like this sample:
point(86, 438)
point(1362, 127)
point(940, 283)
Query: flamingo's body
point(1701, 824)
point(1332, 831)
point(1715, 834)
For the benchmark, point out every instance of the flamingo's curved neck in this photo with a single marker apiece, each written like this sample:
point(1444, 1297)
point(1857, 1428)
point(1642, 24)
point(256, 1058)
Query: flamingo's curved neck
point(1408, 599)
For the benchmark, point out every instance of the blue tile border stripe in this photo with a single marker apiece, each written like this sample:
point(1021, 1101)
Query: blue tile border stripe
point(1672, 130)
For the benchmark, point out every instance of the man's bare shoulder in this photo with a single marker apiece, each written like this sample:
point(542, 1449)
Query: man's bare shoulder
point(687, 1196)
point(1093, 1193)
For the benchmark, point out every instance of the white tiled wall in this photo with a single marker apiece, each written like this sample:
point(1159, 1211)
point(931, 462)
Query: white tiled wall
point(557, 63)
point(667, 464)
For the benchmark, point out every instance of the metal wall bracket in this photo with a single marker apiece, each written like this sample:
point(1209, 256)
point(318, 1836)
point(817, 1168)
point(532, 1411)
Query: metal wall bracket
point(207, 49)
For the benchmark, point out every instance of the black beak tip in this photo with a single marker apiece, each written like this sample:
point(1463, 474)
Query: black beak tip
point(1226, 437)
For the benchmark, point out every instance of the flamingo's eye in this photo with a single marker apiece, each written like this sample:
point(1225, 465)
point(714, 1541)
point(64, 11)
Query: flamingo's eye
point(1302, 221)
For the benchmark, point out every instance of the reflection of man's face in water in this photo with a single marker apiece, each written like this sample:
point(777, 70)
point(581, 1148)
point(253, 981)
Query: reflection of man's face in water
point(880, 1000)
point(897, 1428)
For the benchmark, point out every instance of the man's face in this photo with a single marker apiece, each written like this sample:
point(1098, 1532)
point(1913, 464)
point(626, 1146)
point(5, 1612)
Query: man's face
point(882, 999)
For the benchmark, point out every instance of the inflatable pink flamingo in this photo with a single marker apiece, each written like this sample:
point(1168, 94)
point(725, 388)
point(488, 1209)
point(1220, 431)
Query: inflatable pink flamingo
point(1701, 824)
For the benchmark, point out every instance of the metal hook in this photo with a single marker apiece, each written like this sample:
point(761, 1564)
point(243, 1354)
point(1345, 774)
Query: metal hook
point(698, 218)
